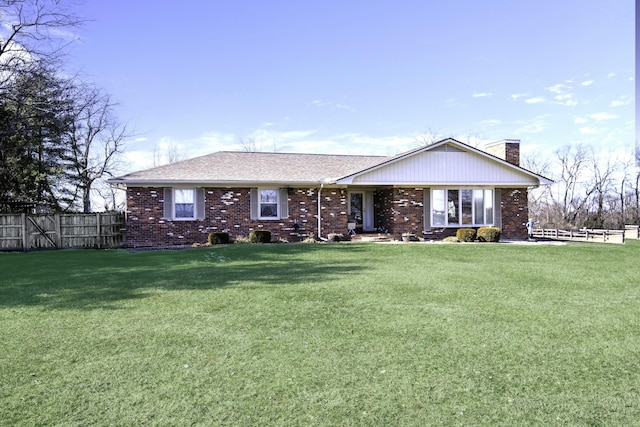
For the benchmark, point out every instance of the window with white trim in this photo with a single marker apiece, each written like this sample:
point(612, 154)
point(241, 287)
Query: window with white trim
point(269, 203)
point(184, 203)
point(455, 207)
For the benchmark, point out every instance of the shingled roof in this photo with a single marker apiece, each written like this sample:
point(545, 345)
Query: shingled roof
point(227, 167)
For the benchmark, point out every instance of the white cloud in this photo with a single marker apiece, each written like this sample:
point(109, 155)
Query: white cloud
point(331, 104)
point(587, 83)
point(481, 95)
point(588, 130)
point(535, 125)
point(535, 100)
point(559, 88)
point(580, 120)
point(623, 100)
point(566, 99)
point(611, 75)
point(603, 116)
point(516, 96)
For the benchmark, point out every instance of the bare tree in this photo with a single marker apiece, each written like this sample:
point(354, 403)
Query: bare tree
point(33, 31)
point(250, 144)
point(570, 200)
point(96, 139)
point(599, 187)
point(540, 207)
point(428, 137)
point(168, 154)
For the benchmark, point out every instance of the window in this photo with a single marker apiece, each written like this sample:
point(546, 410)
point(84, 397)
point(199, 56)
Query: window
point(269, 203)
point(461, 206)
point(184, 206)
point(183, 203)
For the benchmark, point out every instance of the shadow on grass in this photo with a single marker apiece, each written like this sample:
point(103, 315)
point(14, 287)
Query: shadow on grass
point(89, 279)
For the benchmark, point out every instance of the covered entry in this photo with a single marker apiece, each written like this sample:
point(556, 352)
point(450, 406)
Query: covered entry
point(361, 210)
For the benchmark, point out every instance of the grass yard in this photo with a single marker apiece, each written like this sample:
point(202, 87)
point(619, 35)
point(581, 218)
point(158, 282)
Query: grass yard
point(336, 334)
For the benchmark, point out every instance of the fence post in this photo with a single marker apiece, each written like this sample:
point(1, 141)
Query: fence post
point(25, 237)
point(98, 231)
point(58, 229)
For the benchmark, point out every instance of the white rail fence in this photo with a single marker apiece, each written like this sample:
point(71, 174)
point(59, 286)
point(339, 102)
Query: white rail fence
point(589, 235)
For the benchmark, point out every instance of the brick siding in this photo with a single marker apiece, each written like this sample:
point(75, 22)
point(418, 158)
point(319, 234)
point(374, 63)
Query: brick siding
point(514, 213)
point(397, 210)
point(228, 210)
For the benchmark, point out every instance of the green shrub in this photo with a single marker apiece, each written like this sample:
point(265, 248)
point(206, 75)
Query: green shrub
point(466, 234)
point(451, 239)
point(218, 238)
point(260, 236)
point(489, 234)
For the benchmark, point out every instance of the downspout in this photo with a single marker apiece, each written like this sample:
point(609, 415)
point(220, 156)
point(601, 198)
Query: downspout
point(319, 211)
point(324, 181)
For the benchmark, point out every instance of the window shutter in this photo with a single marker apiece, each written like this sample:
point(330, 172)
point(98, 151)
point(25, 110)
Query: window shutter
point(284, 203)
point(200, 203)
point(254, 196)
point(497, 208)
point(427, 209)
point(168, 203)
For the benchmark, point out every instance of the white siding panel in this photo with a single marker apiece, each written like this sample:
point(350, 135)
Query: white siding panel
point(439, 167)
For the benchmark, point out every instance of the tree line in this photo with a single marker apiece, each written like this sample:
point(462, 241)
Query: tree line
point(59, 135)
point(592, 189)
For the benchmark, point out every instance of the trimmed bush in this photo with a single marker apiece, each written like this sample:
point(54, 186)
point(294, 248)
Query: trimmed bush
point(489, 234)
point(218, 238)
point(260, 236)
point(466, 234)
point(451, 239)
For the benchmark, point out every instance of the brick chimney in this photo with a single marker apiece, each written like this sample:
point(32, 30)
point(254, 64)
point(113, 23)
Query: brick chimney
point(506, 149)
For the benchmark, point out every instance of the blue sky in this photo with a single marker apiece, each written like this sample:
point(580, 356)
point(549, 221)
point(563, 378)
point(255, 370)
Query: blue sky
point(362, 77)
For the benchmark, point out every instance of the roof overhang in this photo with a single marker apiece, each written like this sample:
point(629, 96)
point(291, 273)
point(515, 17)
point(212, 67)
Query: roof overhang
point(121, 183)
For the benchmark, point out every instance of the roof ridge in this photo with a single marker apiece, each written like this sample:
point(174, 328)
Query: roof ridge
point(299, 154)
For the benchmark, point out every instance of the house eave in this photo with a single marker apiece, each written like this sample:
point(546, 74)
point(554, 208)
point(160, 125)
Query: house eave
point(119, 183)
point(443, 184)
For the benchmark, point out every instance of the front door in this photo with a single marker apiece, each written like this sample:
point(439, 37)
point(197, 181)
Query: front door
point(361, 210)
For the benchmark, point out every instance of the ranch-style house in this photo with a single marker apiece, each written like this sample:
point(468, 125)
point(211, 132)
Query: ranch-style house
point(430, 191)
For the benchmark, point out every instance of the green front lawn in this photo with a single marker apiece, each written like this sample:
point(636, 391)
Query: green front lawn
point(332, 334)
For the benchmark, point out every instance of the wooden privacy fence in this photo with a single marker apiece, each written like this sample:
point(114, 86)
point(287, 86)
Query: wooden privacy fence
point(582, 235)
point(57, 231)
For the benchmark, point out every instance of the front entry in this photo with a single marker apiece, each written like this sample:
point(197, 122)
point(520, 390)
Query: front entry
point(361, 210)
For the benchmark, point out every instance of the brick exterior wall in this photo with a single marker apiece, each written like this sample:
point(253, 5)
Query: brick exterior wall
point(228, 210)
point(515, 212)
point(397, 210)
point(406, 209)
